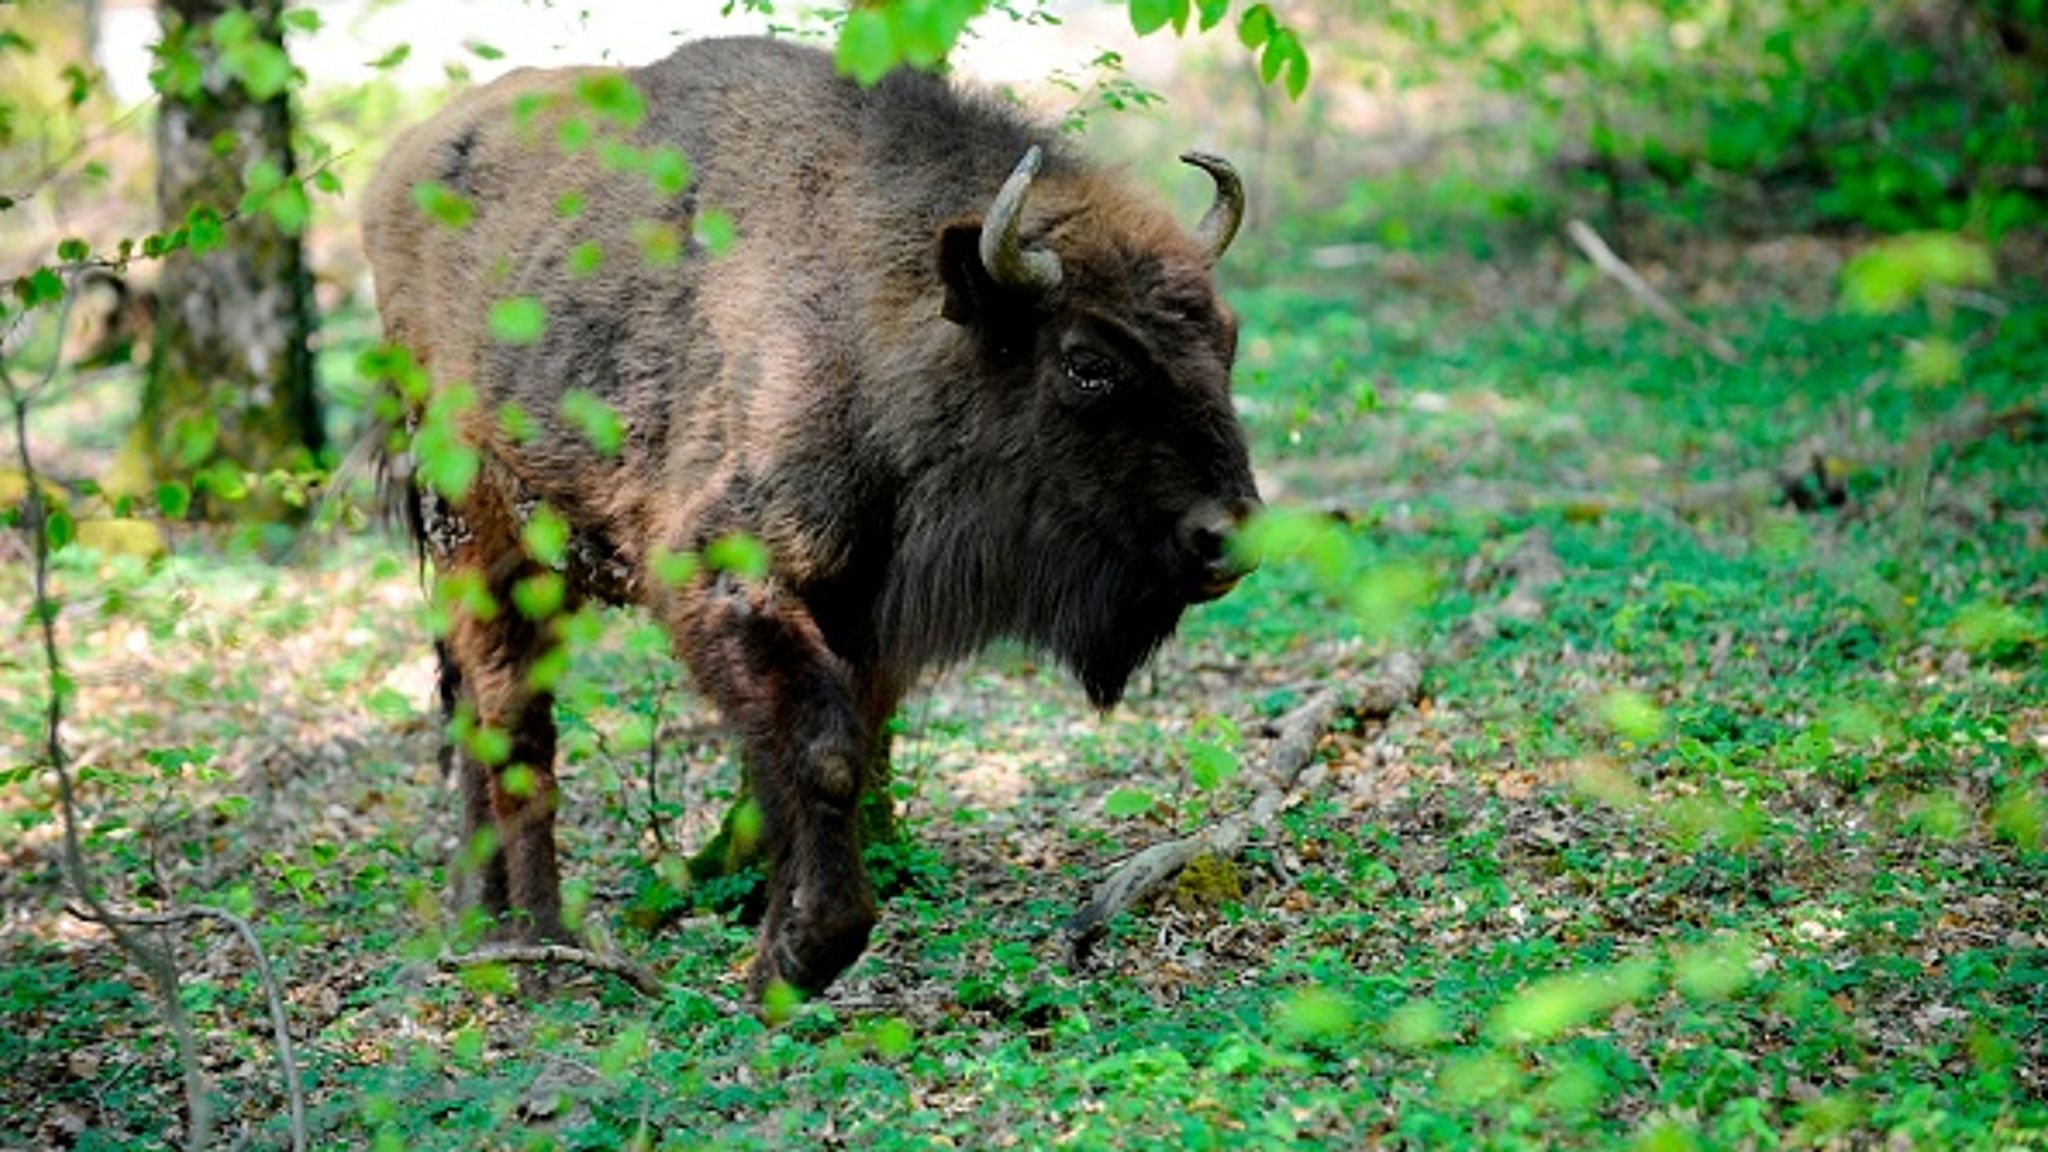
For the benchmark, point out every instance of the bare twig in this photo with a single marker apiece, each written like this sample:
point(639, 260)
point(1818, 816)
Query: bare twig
point(639, 979)
point(120, 264)
point(1603, 258)
point(654, 817)
point(157, 962)
point(280, 1021)
point(55, 168)
point(1396, 682)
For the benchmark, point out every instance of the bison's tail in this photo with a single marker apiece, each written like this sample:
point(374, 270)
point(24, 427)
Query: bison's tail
point(383, 455)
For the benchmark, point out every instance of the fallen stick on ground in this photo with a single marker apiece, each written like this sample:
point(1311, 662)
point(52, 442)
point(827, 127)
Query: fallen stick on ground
point(640, 979)
point(1392, 684)
point(1395, 682)
point(1616, 268)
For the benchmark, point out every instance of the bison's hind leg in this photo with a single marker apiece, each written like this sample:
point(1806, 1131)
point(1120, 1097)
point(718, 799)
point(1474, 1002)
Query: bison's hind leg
point(502, 732)
point(479, 867)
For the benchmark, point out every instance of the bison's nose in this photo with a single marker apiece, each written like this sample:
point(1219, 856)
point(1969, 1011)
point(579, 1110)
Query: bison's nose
point(1205, 536)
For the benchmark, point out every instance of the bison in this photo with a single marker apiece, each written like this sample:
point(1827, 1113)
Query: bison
point(958, 382)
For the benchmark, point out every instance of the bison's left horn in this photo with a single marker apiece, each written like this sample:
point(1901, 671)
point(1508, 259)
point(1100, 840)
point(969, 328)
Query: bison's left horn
point(1219, 224)
point(1002, 250)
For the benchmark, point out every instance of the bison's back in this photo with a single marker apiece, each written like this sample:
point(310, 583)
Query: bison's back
point(721, 365)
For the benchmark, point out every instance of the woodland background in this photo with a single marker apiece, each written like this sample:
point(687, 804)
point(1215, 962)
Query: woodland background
point(1649, 393)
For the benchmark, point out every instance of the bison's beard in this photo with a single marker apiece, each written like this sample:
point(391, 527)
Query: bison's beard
point(1100, 607)
point(1110, 626)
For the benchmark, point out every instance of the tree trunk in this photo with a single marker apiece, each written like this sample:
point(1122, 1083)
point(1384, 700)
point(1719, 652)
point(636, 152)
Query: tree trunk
point(231, 374)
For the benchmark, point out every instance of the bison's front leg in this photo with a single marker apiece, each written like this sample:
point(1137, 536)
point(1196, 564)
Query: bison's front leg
point(757, 652)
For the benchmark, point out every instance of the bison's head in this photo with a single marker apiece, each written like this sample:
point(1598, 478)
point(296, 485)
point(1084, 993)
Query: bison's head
point(1097, 324)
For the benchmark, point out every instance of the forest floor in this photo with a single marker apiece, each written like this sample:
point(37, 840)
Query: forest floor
point(1731, 837)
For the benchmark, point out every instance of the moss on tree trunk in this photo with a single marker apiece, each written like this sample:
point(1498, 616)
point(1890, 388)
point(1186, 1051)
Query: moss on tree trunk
point(230, 385)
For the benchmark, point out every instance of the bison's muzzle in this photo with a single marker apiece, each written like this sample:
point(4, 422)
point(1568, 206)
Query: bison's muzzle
point(1207, 541)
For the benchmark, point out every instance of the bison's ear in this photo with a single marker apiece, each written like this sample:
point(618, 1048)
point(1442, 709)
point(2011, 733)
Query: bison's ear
point(970, 290)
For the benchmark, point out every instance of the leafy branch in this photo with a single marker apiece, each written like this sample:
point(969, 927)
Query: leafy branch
point(37, 519)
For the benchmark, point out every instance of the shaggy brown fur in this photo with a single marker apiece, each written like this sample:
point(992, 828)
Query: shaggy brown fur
point(934, 455)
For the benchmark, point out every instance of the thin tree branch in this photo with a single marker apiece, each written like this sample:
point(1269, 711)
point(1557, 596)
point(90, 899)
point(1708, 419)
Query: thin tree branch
point(157, 963)
point(639, 979)
point(280, 1022)
point(1615, 267)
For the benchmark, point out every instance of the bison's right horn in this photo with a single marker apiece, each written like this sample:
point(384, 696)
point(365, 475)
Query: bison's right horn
point(1219, 224)
point(1002, 250)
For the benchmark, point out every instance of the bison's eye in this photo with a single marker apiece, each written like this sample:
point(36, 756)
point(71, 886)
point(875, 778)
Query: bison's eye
point(1091, 373)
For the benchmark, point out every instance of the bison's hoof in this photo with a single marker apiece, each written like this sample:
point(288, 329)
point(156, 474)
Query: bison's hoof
point(808, 957)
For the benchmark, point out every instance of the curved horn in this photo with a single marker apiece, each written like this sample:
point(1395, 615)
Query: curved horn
point(1219, 224)
point(1002, 251)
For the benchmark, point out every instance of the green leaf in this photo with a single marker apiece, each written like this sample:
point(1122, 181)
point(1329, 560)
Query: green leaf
point(1149, 16)
point(1633, 716)
point(1714, 971)
point(58, 528)
point(893, 1038)
point(2020, 817)
point(1210, 764)
point(1256, 26)
point(715, 232)
point(867, 50)
point(173, 499)
point(264, 68)
point(1124, 803)
point(615, 155)
point(674, 569)
point(585, 259)
point(1212, 13)
point(450, 208)
point(72, 250)
point(1558, 1004)
point(660, 245)
point(392, 59)
point(302, 20)
point(739, 554)
point(546, 537)
point(290, 208)
point(484, 51)
point(571, 204)
point(78, 85)
point(203, 229)
point(573, 134)
point(1934, 362)
point(1317, 1014)
point(668, 171)
point(493, 746)
point(42, 286)
point(468, 1045)
point(624, 1052)
point(611, 96)
point(517, 320)
point(450, 467)
point(598, 422)
point(1297, 68)
point(1893, 273)
point(387, 703)
point(540, 597)
point(517, 425)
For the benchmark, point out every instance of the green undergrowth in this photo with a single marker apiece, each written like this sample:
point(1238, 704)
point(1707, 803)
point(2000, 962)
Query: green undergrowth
point(1737, 844)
